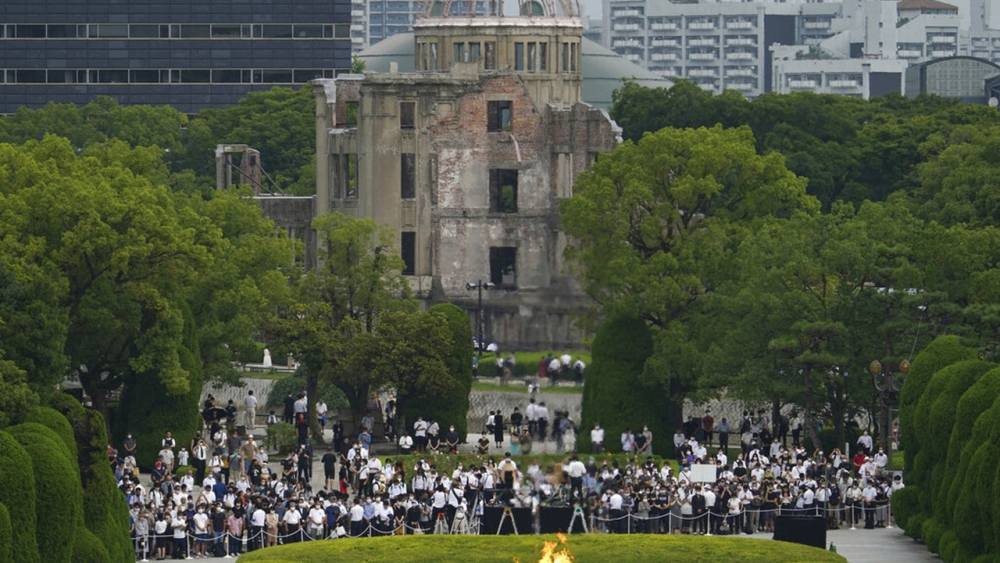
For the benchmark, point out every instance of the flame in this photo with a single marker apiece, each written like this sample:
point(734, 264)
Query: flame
point(550, 555)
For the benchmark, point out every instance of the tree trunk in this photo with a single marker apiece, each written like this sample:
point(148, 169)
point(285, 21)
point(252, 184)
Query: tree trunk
point(98, 395)
point(810, 400)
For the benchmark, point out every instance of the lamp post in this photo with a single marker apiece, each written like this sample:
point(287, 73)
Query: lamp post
point(887, 384)
point(479, 285)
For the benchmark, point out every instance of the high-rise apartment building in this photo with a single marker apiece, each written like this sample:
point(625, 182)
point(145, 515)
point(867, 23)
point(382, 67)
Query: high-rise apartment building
point(187, 53)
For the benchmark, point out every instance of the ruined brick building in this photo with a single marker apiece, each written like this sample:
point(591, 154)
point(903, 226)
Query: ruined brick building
point(468, 156)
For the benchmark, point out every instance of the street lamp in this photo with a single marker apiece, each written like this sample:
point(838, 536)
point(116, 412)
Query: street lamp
point(479, 285)
point(887, 384)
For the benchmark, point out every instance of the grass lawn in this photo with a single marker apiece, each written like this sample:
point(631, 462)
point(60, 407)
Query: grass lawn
point(522, 388)
point(447, 463)
point(584, 549)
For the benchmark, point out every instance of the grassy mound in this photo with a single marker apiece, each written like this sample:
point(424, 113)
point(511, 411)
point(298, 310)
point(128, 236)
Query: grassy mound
point(584, 548)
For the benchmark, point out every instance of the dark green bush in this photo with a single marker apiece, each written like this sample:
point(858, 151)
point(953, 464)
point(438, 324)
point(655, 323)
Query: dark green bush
point(6, 534)
point(47, 416)
point(88, 549)
point(974, 402)
point(104, 510)
point(451, 408)
point(941, 352)
point(282, 437)
point(915, 526)
point(17, 492)
point(959, 377)
point(948, 546)
point(932, 532)
point(829, 440)
point(905, 503)
point(59, 497)
point(147, 411)
point(614, 394)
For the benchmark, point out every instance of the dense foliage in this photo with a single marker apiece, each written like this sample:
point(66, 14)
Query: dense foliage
point(950, 501)
point(17, 493)
point(776, 247)
point(279, 123)
point(617, 396)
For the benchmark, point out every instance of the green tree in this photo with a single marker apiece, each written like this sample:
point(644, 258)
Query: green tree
point(654, 223)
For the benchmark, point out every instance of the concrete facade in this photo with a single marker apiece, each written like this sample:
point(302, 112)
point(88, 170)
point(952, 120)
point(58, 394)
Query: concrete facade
point(186, 53)
point(467, 158)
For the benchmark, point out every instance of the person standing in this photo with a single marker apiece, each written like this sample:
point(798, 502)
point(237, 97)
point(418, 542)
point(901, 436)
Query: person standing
point(597, 439)
point(796, 429)
point(234, 526)
point(708, 427)
point(498, 429)
point(724, 435)
point(250, 411)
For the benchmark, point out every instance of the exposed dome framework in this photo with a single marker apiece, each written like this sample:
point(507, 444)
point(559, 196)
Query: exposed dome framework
point(473, 8)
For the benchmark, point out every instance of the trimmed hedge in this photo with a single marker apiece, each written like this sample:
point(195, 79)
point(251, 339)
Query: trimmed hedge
point(905, 503)
point(59, 497)
point(941, 352)
point(6, 534)
point(452, 408)
point(614, 395)
point(147, 410)
point(88, 549)
point(47, 416)
point(104, 510)
point(17, 492)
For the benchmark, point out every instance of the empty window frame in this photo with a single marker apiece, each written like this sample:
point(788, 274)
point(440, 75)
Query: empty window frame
point(408, 251)
point(459, 56)
point(499, 115)
point(503, 266)
point(532, 54)
point(543, 57)
point(407, 117)
point(407, 176)
point(349, 175)
point(350, 114)
point(503, 190)
point(196, 31)
point(518, 56)
point(490, 55)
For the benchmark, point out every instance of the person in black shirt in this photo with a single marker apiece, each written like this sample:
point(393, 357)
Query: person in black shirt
point(329, 470)
point(498, 429)
point(516, 419)
point(451, 439)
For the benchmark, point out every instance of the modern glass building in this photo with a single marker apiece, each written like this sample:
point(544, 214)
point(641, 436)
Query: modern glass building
point(191, 54)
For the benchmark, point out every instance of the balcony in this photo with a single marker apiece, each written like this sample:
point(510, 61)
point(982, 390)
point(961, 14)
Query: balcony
point(626, 43)
point(625, 27)
point(668, 73)
point(702, 56)
point(802, 84)
point(941, 54)
point(357, 27)
point(662, 26)
point(626, 14)
point(663, 57)
point(909, 54)
point(701, 43)
point(844, 83)
point(817, 24)
point(981, 54)
point(357, 13)
point(632, 57)
point(741, 72)
point(741, 86)
point(942, 39)
point(707, 86)
point(702, 73)
point(665, 43)
point(740, 25)
point(740, 56)
point(741, 41)
point(701, 26)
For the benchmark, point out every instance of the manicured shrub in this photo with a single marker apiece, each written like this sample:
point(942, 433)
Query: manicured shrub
point(17, 492)
point(88, 549)
point(941, 352)
point(915, 526)
point(58, 495)
point(959, 377)
point(614, 394)
point(948, 546)
point(905, 503)
point(47, 416)
point(146, 411)
point(282, 437)
point(932, 532)
point(105, 513)
point(6, 534)
point(974, 402)
point(453, 407)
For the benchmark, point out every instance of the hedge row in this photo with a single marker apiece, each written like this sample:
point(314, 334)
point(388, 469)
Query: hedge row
point(614, 394)
point(950, 421)
point(17, 492)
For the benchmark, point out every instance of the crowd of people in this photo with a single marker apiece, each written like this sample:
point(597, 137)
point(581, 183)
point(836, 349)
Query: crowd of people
point(223, 494)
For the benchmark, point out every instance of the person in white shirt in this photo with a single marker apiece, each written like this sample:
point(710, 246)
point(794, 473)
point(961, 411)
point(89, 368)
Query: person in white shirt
point(201, 535)
point(628, 441)
point(317, 521)
point(257, 521)
point(576, 470)
point(293, 522)
point(615, 513)
point(597, 439)
point(420, 433)
point(865, 441)
point(250, 410)
point(321, 410)
point(880, 459)
point(405, 444)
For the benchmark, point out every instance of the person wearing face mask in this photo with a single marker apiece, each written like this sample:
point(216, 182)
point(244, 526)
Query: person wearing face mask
point(201, 534)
